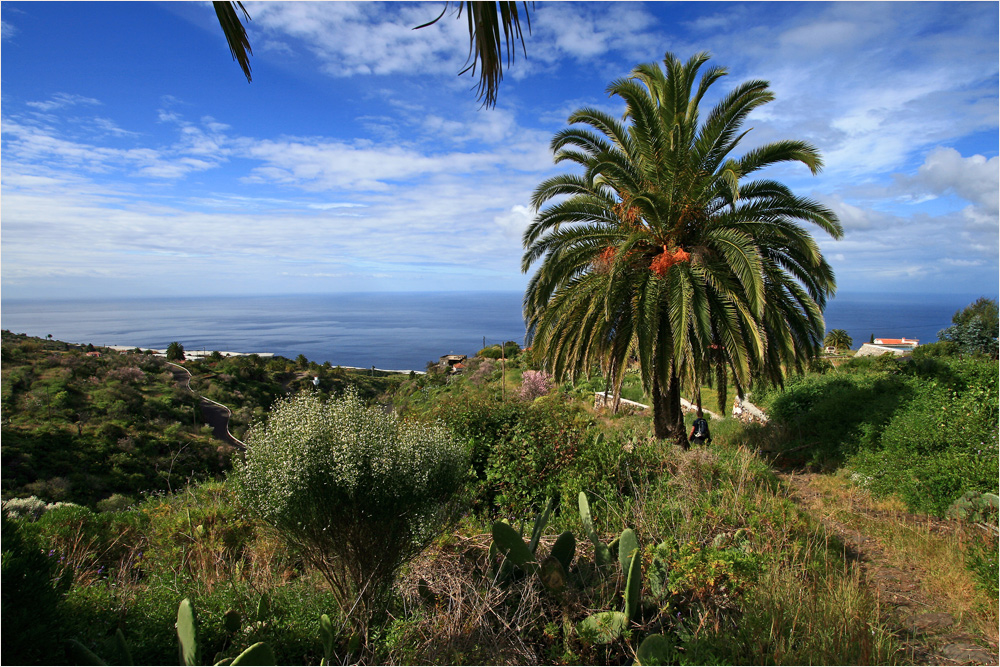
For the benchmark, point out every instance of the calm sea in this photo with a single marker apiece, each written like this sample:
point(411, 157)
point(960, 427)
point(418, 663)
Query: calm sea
point(389, 331)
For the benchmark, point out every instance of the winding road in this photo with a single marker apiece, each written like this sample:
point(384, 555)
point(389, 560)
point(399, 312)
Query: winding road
point(216, 414)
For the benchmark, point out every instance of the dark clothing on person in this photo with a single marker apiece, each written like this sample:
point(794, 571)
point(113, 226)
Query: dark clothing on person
point(699, 432)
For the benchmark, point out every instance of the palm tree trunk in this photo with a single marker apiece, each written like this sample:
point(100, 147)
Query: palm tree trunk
point(668, 418)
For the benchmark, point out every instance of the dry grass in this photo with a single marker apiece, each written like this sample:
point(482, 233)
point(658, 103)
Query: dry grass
point(933, 550)
point(833, 619)
point(466, 618)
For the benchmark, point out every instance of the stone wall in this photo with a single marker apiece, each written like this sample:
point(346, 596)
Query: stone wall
point(872, 350)
point(747, 412)
point(602, 400)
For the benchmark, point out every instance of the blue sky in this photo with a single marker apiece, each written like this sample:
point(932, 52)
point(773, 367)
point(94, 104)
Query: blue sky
point(137, 160)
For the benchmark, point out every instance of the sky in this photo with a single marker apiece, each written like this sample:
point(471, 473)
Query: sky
point(137, 160)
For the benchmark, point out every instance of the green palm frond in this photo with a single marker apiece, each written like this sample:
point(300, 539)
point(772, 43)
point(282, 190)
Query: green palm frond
point(486, 21)
point(235, 32)
point(663, 250)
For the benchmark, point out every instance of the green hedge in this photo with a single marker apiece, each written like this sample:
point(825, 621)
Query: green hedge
point(925, 429)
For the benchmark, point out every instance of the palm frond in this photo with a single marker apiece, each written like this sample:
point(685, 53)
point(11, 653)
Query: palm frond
point(743, 303)
point(486, 21)
point(235, 32)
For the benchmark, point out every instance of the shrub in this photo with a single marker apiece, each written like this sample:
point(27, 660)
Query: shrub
point(30, 508)
point(116, 502)
point(924, 429)
point(530, 462)
point(30, 601)
point(942, 348)
point(483, 373)
point(128, 374)
point(535, 384)
point(974, 329)
point(359, 492)
point(490, 352)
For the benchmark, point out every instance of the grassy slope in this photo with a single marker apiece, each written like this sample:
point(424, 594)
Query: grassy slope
point(753, 578)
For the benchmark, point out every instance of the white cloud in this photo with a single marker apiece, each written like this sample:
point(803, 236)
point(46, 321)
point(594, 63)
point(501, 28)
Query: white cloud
point(851, 217)
point(827, 34)
point(400, 180)
point(514, 222)
point(108, 126)
point(367, 38)
point(61, 100)
point(962, 262)
point(873, 85)
point(33, 144)
point(974, 179)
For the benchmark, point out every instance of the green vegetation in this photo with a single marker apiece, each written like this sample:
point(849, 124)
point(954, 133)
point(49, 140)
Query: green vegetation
point(508, 350)
point(694, 557)
point(81, 428)
point(925, 429)
point(356, 491)
point(89, 429)
point(30, 599)
point(974, 329)
point(661, 251)
point(839, 339)
point(488, 515)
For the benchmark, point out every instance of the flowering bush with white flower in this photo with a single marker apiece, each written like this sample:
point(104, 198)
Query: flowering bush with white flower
point(358, 491)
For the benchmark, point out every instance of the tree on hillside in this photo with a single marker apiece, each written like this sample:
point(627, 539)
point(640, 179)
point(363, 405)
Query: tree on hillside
point(661, 251)
point(839, 339)
point(974, 329)
point(486, 21)
point(175, 352)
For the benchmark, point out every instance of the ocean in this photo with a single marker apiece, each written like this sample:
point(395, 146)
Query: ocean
point(393, 331)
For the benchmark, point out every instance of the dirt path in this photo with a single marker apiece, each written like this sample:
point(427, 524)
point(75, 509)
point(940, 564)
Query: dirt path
point(930, 631)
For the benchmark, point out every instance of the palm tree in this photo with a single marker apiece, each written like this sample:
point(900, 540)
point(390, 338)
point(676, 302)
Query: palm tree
point(662, 251)
point(838, 338)
point(486, 21)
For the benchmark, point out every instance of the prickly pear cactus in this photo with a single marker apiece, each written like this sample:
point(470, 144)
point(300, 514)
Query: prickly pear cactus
point(659, 572)
point(263, 609)
point(124, 655)
point(564, 549)
point(627, 543)
point(258, 654)
point(552, 574)
point(328, 636)
point(540, 521)
point(602, 555)
point(633, 587)
point(655, 650)
point(187, 634)
point(510, 544)
point(232, 621)
point(605, 627)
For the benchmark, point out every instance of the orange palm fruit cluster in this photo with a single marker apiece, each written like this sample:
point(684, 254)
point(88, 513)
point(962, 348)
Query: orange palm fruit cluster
point(662, 262)
point(627, 212)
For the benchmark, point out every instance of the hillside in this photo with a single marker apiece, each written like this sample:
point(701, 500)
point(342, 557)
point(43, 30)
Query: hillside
point(766, 546)
point(85, 425)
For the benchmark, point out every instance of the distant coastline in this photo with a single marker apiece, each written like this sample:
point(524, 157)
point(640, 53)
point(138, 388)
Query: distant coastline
point(385, 330)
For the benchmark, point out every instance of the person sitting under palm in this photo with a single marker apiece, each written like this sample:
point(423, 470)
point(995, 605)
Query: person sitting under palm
point(699, 430)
